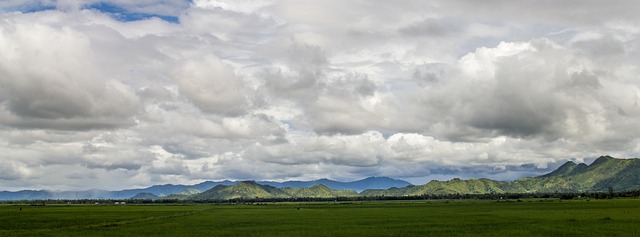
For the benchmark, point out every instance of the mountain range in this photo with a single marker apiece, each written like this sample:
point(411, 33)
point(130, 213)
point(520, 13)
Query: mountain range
point(180, 191)
point(604, 173)
point(601, 175)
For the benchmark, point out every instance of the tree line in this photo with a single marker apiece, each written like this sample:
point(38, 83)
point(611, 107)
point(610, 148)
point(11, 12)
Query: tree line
point(488, 196)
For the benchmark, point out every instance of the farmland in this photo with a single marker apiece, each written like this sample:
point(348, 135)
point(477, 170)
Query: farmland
point(527, 217)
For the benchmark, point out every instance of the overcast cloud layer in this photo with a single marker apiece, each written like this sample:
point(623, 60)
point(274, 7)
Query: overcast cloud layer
point(186, 91)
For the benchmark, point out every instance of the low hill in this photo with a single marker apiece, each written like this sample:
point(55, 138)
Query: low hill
point(253, 190)
point(244, 189)
point(358, 185)
point(318, 191)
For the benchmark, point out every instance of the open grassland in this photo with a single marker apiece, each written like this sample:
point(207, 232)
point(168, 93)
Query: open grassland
point(616, 217)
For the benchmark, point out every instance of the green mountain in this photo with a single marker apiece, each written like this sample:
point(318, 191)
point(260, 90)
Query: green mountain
point(244, 189)
point(454, 186)
point(251, 190)
point(568, 168)
point(604, 172)
point(183, 195)
point(319, 191)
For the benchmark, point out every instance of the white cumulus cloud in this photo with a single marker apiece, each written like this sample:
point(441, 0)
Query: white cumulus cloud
point(281, 90)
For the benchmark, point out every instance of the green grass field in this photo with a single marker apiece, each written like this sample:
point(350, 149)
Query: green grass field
point(617, 217)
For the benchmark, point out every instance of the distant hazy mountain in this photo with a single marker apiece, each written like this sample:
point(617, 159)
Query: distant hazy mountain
point(25, 195)
point(145, 196)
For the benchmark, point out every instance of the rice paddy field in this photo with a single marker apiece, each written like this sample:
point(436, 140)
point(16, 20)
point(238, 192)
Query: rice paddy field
point(615, 217)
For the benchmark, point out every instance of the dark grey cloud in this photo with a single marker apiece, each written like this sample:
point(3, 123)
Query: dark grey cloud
point(156, 92)
point(9, 171)
point(47, 87)
point(430, 28)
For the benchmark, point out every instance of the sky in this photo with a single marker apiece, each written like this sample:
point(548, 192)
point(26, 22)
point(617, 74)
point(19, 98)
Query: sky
point(125, 94)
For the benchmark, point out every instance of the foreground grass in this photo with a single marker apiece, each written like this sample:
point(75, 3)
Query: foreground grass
point(617, 217)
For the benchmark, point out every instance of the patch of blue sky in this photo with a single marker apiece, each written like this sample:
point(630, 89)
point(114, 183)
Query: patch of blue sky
point(38, 8)
point(122, 14)
point(29, 8)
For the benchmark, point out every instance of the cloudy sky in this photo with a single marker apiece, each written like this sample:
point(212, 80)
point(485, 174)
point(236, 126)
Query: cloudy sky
point(121, 94)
